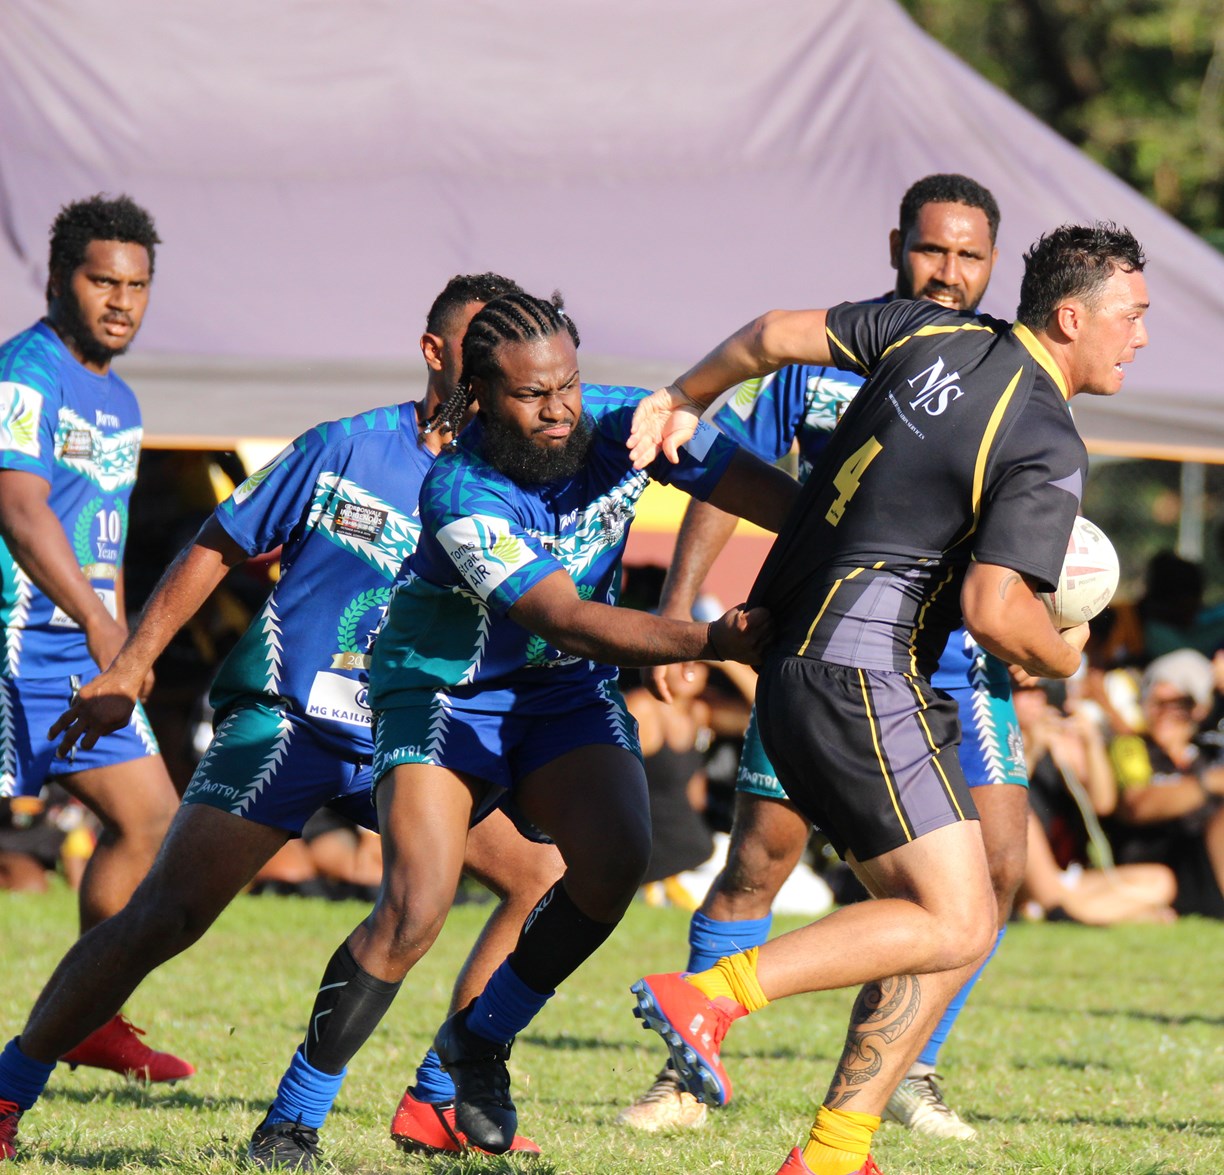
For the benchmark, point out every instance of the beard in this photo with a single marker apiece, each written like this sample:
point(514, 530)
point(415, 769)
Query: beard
point(70, 325)
point(523, 461)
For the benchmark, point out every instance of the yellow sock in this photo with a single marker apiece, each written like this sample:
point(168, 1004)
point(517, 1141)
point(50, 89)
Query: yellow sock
point(733, 978)
point(839, 1142)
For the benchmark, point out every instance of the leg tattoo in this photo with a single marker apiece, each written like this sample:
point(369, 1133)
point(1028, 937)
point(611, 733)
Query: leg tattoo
point(882, 1014)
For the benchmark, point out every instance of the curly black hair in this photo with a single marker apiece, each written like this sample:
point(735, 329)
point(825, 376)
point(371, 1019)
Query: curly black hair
point(947, 188)
point(98, 218)
point(514, 318)
point(1073, 261)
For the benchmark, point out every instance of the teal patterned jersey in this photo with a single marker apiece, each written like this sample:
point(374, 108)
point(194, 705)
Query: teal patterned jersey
point(342, 499)
point(81, 433)
point(487, 540)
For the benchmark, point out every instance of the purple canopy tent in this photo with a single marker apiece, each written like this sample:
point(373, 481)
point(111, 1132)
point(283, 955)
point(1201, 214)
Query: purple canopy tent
point(674, 166)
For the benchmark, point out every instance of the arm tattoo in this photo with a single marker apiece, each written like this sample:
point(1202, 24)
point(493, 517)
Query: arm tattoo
point(1006, 582)
point(882, 1014)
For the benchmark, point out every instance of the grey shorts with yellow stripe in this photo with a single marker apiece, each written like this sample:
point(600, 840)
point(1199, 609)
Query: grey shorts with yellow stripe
point(868, 756)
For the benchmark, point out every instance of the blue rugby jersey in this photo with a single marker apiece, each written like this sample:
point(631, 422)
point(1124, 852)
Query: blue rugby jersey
point(81, 433)
point(803, 403)
point(342, 498)
point(486, 541)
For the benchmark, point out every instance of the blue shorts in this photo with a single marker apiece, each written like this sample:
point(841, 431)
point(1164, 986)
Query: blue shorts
point(501, 748)
point(268, 765)
point(991, 748)
point(28, 707)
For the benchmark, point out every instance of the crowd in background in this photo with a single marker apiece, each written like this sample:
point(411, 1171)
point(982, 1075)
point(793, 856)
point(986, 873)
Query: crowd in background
point(1126, 761)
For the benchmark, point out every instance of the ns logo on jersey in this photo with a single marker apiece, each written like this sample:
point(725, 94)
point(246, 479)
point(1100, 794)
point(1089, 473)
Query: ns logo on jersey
point(937, 391)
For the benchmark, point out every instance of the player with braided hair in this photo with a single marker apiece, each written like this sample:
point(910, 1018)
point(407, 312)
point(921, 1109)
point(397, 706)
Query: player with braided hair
point(293, 731)
point(493, 684)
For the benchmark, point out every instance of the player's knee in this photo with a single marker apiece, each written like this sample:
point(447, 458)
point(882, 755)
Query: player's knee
point(756, 869)
point(1006, 874)
point(604, 882)
point(966, 933)
point(538, 867)
point(406, 924)
point(161, 922)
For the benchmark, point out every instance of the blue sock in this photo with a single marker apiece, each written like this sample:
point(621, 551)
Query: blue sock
point(930, 1054)
point(22, 1079)
point(505, 1007)
point(433, 1083)
point(710, 940)
point(305, 1095)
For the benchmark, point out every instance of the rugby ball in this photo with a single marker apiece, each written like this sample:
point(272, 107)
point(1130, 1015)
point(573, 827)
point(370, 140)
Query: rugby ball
point(1089, 577)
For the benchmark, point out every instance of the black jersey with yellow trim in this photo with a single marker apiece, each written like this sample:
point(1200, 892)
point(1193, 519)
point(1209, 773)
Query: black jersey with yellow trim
point(959, 446)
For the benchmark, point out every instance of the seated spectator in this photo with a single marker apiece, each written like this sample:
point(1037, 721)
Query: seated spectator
point(1127, 637)
point(674, 738)
point(1169, 807)
point(1071, 787)
point(39, 835)
point(334, 858)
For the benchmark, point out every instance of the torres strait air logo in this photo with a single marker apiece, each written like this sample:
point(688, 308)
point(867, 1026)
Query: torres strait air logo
point(938, 390)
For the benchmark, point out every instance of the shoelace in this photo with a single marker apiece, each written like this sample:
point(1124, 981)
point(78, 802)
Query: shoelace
point(485, 1079)
point(125, 1023)
point(929, 1091)
point(666, 1087)
point(305, 1138)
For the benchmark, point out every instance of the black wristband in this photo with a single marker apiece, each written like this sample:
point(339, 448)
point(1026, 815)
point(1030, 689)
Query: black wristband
point(711, 644)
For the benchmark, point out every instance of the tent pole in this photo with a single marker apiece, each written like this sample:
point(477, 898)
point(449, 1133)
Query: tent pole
point(1193, 503)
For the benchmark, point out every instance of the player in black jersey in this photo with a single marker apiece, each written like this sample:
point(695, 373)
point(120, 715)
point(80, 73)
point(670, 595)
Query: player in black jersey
point(949, 488)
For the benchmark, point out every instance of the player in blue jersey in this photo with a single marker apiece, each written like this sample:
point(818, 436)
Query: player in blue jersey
point(943, 251)
point(949, 489)
point(293, 728)
point(493, 683)
point(69, 442)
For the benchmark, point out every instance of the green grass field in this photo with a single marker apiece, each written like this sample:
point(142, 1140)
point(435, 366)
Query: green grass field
point(1082, 1051)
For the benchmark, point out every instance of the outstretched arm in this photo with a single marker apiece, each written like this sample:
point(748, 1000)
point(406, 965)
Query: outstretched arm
point(624, 636)
point(666, 419)
point(106, 703)
point(755, 490)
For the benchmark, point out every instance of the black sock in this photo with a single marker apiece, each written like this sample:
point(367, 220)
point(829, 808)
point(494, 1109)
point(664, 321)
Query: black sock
point(347, 1009)
point(556, 939)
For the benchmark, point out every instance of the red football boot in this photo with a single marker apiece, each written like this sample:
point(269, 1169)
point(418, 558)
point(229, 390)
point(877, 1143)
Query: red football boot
point(10, 1115)
point(692, 1027)
point(795, 1165)
point(429, 1127)
point(117, 1046)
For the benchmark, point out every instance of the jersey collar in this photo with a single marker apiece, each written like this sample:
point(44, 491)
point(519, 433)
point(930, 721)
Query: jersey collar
point(1033, 345)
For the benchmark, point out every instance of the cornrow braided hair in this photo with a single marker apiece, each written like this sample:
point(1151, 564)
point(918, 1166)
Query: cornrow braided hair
point(514, 318)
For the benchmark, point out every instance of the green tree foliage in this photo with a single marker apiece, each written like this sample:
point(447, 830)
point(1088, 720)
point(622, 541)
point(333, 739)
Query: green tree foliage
point(1137, 84)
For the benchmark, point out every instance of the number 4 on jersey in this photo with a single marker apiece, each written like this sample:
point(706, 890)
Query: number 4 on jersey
point(846, 482)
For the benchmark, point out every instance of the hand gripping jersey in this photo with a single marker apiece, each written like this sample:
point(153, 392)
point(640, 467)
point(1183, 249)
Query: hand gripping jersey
point(487, 540)
point(342, 498)
point(81, 433)
point(963, 446)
